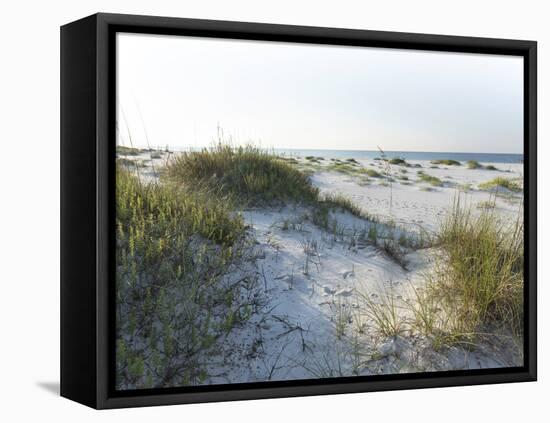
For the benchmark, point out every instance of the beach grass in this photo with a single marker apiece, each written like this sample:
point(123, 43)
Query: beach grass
point(373, 173)
point(342, 202)
point(432, 180)
point(486, 204)
point(499, 182)
point(473, 164)
point(398, 161)
point(477, 283)
point(128, 151)
point(174, 249)
point(249, 174)
point(447, 162)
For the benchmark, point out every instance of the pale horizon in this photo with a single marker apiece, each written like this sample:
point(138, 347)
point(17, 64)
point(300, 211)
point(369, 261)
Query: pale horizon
point(176, 91)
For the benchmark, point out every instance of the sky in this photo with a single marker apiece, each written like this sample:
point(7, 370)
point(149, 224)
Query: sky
point(177, 91)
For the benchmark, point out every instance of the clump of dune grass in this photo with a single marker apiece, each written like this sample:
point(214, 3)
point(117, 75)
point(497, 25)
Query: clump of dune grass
point(464, 187)
point(127, 151)
point(344, 167)
point(248, 173)
point(339, 201)
point(447, 162)
point(486, 204)
point(313, 159)
point(373, 173)
point(291, 160)
point(176, 252)
point(513, 185)
point(383, 311)
point(477, 282)
point(128, 163)
point(473, 164)
point(432, 180)
point(398, 161)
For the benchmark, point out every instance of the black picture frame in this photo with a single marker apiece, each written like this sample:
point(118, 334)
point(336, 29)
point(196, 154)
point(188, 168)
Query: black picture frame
point(88, 61)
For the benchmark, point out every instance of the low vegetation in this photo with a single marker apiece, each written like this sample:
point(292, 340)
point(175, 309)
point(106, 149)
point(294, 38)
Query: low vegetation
point(447, 162)
point(513, 185)
point(174, 250)
point(373, 173)
point(432, 180)
point(127, 151)
point(248, 174)
point(474, 291)
point(398, 161)
point(486, 204)
point(478, 280)
point(473, 164)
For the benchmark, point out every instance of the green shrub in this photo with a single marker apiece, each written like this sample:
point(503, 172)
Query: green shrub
point(397, 161)
point(432, 180)
point(174, 248)
point(247, 173)
point(499, 182)
point(127, 151)
point(373, 173)
point(447, 162)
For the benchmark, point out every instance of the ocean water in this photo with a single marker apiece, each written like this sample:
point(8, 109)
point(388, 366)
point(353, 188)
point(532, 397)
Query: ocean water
point(406, 155)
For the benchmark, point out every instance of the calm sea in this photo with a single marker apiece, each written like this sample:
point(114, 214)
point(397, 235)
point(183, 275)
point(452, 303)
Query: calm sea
point(407, 155)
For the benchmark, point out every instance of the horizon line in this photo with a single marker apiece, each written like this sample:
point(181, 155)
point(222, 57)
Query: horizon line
point(335, 149)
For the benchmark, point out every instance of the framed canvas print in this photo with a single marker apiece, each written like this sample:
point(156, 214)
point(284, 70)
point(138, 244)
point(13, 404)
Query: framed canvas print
point(255, 210)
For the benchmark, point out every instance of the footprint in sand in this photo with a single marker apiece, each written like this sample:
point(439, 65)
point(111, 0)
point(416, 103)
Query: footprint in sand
point(328, 290)
point(348, 274)
point(344, 292)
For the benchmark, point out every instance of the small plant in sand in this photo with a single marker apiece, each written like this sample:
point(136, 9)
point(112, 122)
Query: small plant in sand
point(388, 172)
point(122, 150)
point(311, 253)
point(486, 204)
point(397, 161)
point(432, 180)
point(473, 164)
point(513, 185)
point(447, 162)
point(373, 173)
point(383, 310)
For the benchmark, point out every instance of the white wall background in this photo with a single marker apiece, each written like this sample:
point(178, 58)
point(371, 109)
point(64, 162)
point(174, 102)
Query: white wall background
point(29, 209)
